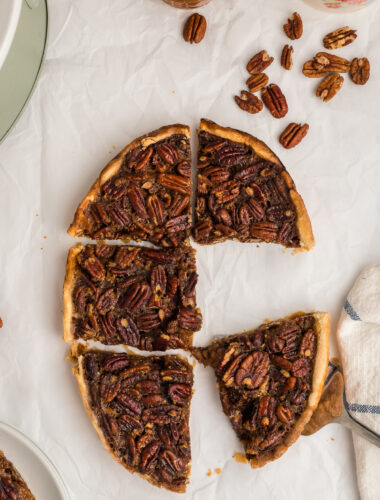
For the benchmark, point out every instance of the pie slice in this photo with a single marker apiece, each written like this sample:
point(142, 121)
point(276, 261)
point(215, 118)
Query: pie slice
point(139, 406)
point(245, 193)
point(143, 194)
point(137, 296)
point(12, 485)
point(270, 380)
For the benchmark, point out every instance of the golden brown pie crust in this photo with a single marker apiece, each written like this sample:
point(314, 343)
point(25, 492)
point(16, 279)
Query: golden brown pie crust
point(80, 223)
point(262, 150)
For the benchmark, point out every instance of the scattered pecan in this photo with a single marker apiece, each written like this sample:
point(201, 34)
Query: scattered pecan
point(259, 62)
point(293, 135)
point(195, 28)
point(339, 38)
point(287, 57)
point(257, 81)
point(310, 71)
point(249, 102)
point(274, 100)
point(360, 70)
point(323, 61)
point(329, 87)
point(294, 27)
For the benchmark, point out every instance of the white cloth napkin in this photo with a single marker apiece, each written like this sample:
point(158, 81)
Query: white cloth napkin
point(359, 344)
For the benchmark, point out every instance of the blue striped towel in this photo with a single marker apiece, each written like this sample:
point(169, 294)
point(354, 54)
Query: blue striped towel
point(359, 344)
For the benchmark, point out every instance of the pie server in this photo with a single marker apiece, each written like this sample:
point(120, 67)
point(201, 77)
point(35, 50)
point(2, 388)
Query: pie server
point(333, 408)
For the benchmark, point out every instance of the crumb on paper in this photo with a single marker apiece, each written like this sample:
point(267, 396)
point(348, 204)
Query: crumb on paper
point(45, 237)
point(241, 458)
point(332, 439)
point(1, 323)
point(218, 470)
point(41, 248)
point(37, 215)
point(194, 364)
point(209, 473)
point(173, 91)
point(266, 320)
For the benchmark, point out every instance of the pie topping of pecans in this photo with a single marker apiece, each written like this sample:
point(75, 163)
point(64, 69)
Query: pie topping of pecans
point(141, 408)
point(264, 378)
point(135, 302)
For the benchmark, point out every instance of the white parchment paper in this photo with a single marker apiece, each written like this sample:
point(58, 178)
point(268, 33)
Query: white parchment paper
point(116, 69)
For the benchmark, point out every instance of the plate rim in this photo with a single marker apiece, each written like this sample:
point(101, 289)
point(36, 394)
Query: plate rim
point(29, 95)
point(27, 441)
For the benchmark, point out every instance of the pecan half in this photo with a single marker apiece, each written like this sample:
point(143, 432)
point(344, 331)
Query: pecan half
point(266, 231)
point(274, 100)
point(168, 153)
point(286, 57)
point(95, 268)
point(360, 70)
point(249, 102)
point(293, 135)
point(195, 28)
point(339, 38)
point(257, 81)
point(175, 182)
point(294, 27)
point(259, 62)
point(252, 370)
point(136, 198)
point(329, 87)
point(323, 61)
point(143, 158)
point(155, 209)
point(309, 70)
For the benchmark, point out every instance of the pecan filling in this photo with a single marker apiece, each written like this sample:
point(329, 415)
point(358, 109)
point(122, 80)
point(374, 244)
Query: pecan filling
point(12, 485)
point(136, 296)
point(148, 199)
point(264, 379)
point(142, 407)
point(241, 196)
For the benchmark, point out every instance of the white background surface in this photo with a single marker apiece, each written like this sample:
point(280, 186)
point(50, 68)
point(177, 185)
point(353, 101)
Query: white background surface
point(115, 70)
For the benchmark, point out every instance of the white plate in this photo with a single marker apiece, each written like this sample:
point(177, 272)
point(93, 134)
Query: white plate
point(9, 17)
point(35, 467)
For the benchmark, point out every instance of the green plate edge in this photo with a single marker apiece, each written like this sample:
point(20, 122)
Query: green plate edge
point(20, 71)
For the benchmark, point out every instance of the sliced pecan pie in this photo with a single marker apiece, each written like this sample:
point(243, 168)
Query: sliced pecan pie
point(270, 380)
point(137, 296)
point(12, 485)
point(139, 406)
point(245, 193)
point(143, 194)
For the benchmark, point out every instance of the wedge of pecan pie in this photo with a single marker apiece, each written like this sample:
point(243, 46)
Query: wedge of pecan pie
point(139, 406)
point(245, 193)
point(137, 296)
point(270, 380)
point(143, 194)
point(12, 485)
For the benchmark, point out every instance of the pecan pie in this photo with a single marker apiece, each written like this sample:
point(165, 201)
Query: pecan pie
point(245, 193)
point(139, 406)
point(137, 296)
point(143, 194)
point(270, 380)
point(12, 485)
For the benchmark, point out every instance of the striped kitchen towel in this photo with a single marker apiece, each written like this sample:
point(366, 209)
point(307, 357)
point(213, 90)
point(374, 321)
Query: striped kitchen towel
point(359, 344)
